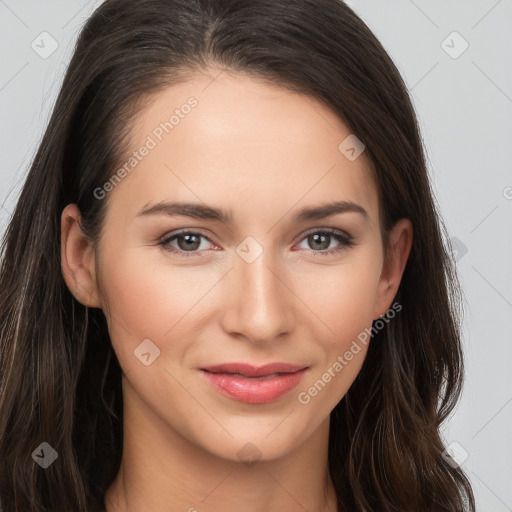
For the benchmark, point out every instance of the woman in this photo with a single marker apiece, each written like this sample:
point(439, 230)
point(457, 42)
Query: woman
point(172, 336)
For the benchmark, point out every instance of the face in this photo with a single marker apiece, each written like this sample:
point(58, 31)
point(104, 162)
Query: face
point(241, 277)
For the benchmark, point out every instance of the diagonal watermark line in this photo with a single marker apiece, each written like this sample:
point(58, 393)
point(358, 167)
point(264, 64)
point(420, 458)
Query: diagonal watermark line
point(485, 15)
point(318, 112)
point(301, 198)
point(484, 218)
point(198, 301)
point(279, 423)
point(492, 81)
point(14, 76)
point(112, 317)
point(165, 165)
point(508, 508)
point(504, 298)
point(217, 486)
point(75, 15)
point(424, 14)
point(2, 1)
point(212, 80)
point(107, 312)
point(420, 80)
point(199, 403)
point(491, 419)
point(300, 300)
point(286, 491)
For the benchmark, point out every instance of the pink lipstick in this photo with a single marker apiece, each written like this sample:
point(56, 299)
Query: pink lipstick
point(251, 384)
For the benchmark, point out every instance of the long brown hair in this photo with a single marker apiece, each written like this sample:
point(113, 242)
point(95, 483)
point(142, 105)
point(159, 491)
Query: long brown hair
point(60, 381)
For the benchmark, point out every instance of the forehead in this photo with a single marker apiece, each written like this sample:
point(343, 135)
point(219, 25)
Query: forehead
point(237, 142)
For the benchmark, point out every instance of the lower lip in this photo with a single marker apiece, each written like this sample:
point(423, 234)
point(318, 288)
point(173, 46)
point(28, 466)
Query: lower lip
point(253, 390)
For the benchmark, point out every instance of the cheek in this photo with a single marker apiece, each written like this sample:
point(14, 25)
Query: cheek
point(149, 299)
point(342, 298)
point(344, 304)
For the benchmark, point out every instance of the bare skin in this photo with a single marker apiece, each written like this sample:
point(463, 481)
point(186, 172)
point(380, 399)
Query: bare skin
point(263, 153)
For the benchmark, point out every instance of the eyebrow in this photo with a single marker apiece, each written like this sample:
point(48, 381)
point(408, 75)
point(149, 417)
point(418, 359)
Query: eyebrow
point(202, 211)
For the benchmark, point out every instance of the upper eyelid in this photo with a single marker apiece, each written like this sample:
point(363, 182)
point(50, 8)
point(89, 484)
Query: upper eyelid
point(197, 231)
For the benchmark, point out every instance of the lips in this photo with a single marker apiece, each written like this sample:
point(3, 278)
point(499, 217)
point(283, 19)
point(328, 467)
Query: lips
point(252, 384)
point(247, 370)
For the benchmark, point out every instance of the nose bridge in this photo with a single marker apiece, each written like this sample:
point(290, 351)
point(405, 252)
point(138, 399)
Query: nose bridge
point(260, 309)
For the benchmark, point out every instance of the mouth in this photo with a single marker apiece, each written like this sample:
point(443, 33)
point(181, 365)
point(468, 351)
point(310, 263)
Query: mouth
point(254, 385)
point(263, 377)
point(248, 370)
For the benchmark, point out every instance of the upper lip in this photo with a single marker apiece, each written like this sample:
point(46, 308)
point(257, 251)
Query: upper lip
point(248, 370)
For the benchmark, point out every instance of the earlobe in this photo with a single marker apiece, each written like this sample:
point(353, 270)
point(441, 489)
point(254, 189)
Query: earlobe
point(400, 243)
point(78, 259)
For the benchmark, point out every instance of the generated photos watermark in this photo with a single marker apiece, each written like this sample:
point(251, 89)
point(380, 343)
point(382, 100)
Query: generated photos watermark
point(151, 142)
point(344, 359)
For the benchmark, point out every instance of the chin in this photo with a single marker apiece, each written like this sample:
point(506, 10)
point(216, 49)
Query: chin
point(258, 444)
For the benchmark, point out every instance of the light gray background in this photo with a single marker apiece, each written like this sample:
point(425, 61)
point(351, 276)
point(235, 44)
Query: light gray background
point(464, 105)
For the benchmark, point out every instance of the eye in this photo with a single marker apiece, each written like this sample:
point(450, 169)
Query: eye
point(322, 239)
point(187, 241)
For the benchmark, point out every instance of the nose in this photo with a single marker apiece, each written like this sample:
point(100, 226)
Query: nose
point(259, 303)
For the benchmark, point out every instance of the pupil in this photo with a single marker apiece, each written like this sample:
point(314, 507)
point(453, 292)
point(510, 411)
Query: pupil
point(189, 242)
point(317, 236)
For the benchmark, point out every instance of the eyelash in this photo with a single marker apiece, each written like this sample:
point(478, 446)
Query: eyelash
point(345, 240)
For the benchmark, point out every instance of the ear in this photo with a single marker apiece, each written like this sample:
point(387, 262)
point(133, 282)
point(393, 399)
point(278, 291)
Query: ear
point(400, 243)
point(78, 259)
